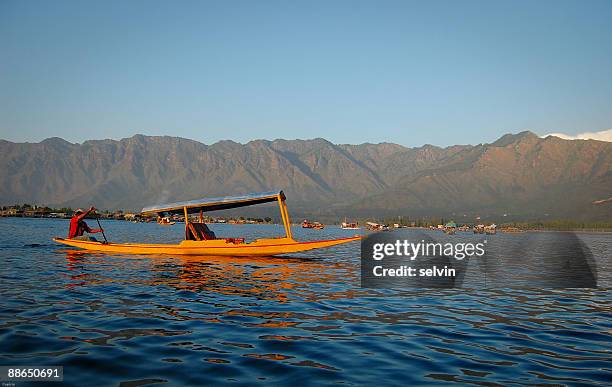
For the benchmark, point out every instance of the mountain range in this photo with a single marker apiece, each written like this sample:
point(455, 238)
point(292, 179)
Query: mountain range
point(518, 177)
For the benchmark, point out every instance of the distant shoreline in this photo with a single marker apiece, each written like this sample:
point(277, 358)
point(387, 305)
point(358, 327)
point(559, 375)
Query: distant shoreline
point(586, 230)
point(583, 231)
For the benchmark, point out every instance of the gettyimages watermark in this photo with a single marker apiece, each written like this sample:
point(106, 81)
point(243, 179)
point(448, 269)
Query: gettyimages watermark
point(416, 258)
point(458, 250)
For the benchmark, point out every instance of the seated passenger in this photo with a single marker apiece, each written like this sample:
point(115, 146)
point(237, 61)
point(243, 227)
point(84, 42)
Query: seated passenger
point(199, 232)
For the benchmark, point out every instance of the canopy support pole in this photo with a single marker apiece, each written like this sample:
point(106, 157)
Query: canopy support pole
point(186, 222)
point(288, 220)
point(283, 210)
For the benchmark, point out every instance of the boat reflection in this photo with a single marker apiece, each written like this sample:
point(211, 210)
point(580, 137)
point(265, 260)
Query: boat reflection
point(78, 273)
point(266, 278)
point(262, 278)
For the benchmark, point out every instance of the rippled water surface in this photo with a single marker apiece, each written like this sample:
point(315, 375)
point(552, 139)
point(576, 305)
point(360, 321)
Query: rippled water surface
point(301, 319)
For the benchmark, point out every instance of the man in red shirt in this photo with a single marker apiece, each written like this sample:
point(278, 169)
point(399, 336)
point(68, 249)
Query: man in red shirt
point(78, 226)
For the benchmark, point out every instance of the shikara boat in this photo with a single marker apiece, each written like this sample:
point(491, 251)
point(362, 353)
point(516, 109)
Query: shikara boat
point(199, 240)
point(165, 221)
point(314, 225)
point(349, 225)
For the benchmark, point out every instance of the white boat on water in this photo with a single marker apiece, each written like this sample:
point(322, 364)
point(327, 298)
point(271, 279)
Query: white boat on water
point(350, 226)
point(165, 221)
point(376, 227)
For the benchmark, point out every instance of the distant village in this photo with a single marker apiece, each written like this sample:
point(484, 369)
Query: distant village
point(449, 227)
point(33, 211)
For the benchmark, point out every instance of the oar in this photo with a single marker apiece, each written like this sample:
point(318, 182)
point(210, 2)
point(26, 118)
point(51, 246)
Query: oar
point(99, 225)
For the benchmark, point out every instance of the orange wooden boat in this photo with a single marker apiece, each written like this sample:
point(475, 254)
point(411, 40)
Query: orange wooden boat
point(199, 240)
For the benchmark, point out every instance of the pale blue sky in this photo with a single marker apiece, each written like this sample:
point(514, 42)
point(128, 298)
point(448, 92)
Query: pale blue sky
point(439, 72)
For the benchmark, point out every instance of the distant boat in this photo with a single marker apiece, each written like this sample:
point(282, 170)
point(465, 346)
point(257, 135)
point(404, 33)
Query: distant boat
point(482, 229)
point(165, 221)
point(350, 225)
point(314, 225)
point(450, 228)
point(377, 227)
point(491, 229)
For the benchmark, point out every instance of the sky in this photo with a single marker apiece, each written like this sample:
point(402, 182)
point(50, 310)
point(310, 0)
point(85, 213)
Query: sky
point(436, 72)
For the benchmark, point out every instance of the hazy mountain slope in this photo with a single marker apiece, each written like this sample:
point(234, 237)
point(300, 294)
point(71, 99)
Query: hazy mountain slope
point(140, 169)
point(520, 174)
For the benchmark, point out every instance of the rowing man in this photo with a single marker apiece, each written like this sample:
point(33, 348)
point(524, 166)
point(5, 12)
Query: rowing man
point(78, 226)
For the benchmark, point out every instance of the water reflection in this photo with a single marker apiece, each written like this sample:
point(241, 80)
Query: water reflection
point(266, 278)
point(262, 278)
point(110, 319)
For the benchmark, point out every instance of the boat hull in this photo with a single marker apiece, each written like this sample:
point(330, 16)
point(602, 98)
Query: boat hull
point(219, 247)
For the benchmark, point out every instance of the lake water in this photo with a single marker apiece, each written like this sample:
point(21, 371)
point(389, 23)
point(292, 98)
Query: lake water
point(302, 319)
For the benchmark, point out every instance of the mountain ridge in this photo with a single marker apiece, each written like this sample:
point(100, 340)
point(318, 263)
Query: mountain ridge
point(520, 174)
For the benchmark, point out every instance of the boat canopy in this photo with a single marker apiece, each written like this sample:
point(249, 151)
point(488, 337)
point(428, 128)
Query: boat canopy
point(215, 204)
